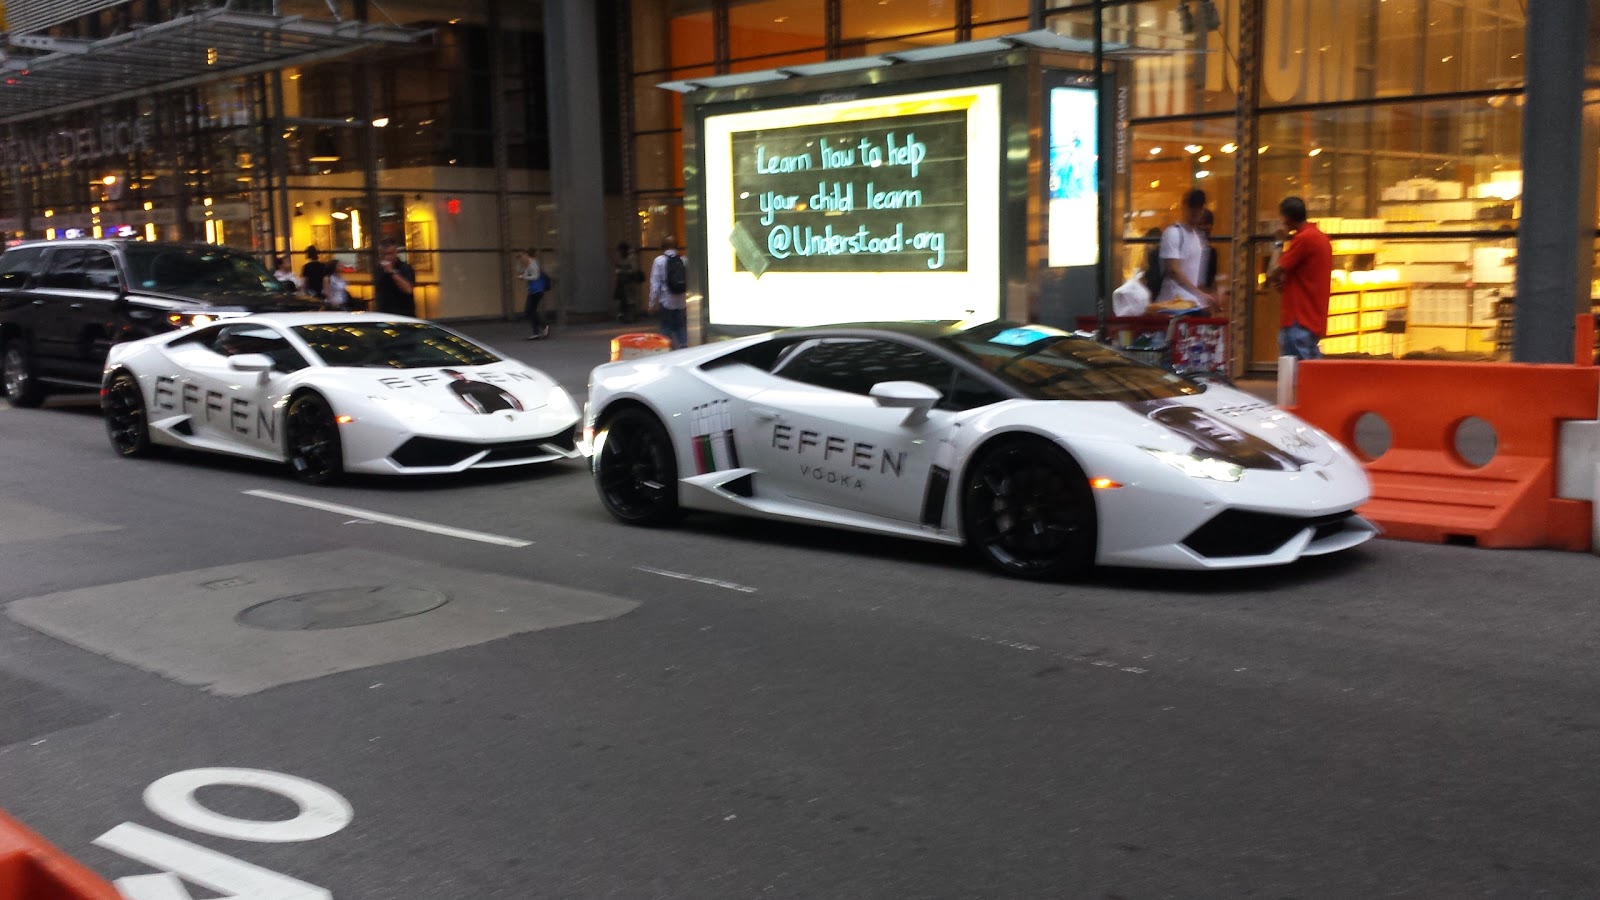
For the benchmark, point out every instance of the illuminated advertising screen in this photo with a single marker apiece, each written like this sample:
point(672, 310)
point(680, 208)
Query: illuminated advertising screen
point(1074, 166)
point(882, 209)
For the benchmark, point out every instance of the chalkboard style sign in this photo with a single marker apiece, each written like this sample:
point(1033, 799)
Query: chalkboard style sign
point(874, 195)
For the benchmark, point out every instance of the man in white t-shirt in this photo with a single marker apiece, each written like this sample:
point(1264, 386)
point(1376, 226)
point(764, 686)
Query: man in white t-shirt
point(1183, 255)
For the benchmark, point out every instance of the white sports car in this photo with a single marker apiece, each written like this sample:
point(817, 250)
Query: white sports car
point(1043, 451)
point(335, 392)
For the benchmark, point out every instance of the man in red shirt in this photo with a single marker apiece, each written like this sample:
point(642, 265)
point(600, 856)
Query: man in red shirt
point(1303, 271)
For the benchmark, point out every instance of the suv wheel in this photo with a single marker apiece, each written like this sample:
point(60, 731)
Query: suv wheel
point(17, 375)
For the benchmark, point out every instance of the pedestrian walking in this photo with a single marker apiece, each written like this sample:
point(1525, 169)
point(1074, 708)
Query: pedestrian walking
point(537, 283)
point(1183, 250)
point(669, 293)
point(314, 274)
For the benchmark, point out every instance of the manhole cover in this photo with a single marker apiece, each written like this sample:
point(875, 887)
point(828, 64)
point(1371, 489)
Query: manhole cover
point(341, 608)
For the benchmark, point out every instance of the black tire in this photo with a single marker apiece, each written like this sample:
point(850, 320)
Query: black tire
point(316, 453)
point(1028, 511)
point(19, 377)
point(636, 470)
point(127, 424)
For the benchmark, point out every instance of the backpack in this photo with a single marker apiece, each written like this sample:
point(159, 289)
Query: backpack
point(677, 276)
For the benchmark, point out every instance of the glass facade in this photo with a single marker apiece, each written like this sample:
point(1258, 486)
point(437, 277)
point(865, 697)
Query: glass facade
point(1398, 121)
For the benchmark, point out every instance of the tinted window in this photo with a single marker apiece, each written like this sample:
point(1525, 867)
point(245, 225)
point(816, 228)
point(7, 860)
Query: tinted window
point(18, 264)
point(100, 270)
point(1047, 364)
point(182, 269)
point(392, 345)
point(233, 340)
point(65, 270)
point(856, 364)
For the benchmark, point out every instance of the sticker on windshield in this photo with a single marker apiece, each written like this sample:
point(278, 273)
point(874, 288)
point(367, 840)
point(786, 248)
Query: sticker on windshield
point(1022, 337)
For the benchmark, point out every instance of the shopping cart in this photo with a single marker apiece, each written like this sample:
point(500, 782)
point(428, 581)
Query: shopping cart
point(1189, 345)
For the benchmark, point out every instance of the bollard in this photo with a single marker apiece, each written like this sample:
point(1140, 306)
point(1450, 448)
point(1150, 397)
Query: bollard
point(1286, 373)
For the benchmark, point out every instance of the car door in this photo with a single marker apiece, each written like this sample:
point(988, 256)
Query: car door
point(76, 319)
point(234, 407)
point(821, 438)
point(19, 269)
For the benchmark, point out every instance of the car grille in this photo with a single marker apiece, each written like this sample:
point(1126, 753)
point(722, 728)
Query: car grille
point(423, 452)
point(1236, 532)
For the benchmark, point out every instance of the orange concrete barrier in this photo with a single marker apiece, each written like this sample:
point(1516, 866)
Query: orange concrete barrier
point(32, 869)
point(628, 346)
point(1422, 488)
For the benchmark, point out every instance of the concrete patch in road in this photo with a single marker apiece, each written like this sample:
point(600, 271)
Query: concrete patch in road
point(183, 626)
point(25, 521)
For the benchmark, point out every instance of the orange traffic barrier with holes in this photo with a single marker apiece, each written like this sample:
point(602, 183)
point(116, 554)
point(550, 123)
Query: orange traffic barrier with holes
point(1423, 488)
point(32, 869)
point(628, 346)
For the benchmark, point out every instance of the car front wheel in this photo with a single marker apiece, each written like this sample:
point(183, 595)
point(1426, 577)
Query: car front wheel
point(18, 375)
point(124, 411)
point(316, 453)
point(635, 469)
point(1029, 512)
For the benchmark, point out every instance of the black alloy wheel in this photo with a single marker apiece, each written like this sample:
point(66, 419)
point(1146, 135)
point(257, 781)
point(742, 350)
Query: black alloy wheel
point(315, 452)
point(126, 423)
point(1028, 510)
point(635, 470)
point(18, 376)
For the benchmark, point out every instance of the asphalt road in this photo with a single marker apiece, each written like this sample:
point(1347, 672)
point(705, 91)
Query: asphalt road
point(736, 709)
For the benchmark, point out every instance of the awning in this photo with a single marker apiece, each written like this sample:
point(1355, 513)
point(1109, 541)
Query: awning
point(43, 75)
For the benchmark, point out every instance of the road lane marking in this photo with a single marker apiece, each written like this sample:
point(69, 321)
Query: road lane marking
point(698, 579)
point(322, 811)
point(401, 521)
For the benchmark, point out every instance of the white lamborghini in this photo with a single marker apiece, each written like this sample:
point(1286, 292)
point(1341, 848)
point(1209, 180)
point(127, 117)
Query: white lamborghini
point(1045, 452)
point(330, 393)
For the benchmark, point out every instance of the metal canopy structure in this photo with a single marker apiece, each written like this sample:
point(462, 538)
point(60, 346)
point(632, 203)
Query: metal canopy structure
point(43, 75)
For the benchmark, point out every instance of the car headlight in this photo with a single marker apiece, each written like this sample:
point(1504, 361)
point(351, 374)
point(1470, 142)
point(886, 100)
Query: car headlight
point(559, 399)
point(201, 319)
point(408, 410)
point(1198, 466)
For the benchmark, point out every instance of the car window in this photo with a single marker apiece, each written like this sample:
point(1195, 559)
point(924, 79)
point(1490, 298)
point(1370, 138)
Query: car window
point(100, 270)
point(392, 345)
point(19, 264)
point(1047, 364)
point(234, 340)
point(856, 364)
point(65, 270)
point(183, 269)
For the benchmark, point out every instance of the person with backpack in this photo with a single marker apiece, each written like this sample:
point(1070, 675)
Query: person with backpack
point(1183, 258)
point(669, 292)
point(538, 282)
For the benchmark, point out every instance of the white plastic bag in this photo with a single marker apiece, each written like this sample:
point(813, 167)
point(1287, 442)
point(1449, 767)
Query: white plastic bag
point(1133, 298)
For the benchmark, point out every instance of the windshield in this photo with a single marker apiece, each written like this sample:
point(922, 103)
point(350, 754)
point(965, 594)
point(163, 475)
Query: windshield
point(1047, 364)
point(182, 270)
point(392, 345)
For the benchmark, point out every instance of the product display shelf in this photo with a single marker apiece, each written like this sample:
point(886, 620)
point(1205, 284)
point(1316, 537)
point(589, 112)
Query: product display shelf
point(1368, 320)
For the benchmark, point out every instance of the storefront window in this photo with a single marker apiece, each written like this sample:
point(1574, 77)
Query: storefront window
point(1194, 68)
point(1412, 167)
point(930, 21)
point(775, 26)
point(1317, 51)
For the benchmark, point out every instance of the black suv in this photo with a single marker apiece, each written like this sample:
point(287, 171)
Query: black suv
point(64, 303)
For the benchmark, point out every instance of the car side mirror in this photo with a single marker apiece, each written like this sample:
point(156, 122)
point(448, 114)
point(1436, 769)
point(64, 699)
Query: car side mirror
point(913, 396)
point(250, 362)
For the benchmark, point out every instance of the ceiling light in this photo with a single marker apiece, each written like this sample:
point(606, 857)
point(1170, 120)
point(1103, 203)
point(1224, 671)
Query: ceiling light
point(1155, 151)
point(1229, 147)
point(1314, 151)
point(1192, 148)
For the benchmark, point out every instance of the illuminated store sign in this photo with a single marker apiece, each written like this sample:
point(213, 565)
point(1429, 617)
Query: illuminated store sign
point(1074, 177)
point(879, 209)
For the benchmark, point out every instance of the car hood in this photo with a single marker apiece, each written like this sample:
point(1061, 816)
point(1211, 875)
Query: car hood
point(244, 301)
point(1222, 423)
point(465, 390)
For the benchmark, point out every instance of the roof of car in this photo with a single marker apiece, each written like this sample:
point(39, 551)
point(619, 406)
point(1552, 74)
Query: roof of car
point(101, 242)
point(296, 319)
point(915, 329)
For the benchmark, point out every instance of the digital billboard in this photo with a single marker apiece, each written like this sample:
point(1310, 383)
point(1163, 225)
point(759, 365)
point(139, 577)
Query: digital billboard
point(1074, 171)
point(881, 209)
